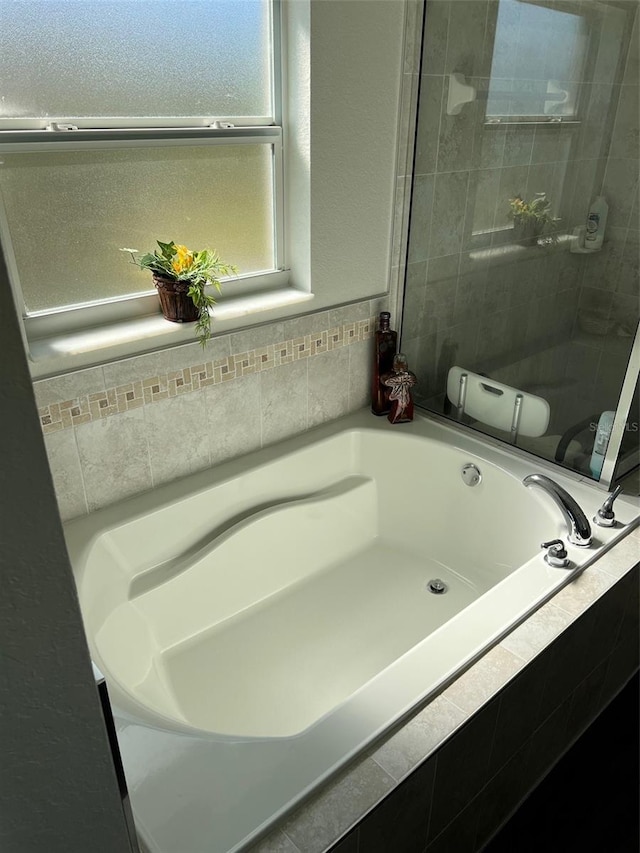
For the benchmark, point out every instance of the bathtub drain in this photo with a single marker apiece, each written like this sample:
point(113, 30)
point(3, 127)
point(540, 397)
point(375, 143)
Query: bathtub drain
point(437, 586)
point(471, 474)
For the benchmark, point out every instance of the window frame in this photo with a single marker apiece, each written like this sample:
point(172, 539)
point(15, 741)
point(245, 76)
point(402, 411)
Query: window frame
point(575, 118)
point(70, 133)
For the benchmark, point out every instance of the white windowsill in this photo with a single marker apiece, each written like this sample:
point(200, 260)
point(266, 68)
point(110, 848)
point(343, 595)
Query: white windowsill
point(76, 350)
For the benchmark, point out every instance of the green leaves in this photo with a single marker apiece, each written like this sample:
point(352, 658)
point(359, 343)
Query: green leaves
point(199, 268)
point(538, 208)
point(203, 301)
point(168, 250)
point(535, 214)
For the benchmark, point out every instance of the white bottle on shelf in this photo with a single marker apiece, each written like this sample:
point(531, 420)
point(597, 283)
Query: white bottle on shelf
point(601, 443)
point(596, 223)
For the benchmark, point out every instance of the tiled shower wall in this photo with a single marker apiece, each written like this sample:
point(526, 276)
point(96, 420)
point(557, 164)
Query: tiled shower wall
point(611, 281)
point(122, 428)
point(474, 296)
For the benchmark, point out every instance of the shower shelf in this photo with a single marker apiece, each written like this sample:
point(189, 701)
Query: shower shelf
point(509, 252)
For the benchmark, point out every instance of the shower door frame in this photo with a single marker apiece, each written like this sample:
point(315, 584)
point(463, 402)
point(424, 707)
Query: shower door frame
point(621, 417)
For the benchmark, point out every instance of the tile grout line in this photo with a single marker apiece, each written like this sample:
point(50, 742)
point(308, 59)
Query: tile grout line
point(106, 402)
point(81, 467)
point(290, 840)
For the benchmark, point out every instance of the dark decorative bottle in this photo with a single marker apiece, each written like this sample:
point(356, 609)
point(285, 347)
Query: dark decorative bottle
point(384, 349)
point(399, 383)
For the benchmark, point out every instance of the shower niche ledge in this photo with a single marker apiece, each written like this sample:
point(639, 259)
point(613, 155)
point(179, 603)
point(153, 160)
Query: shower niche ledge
point(509, 252)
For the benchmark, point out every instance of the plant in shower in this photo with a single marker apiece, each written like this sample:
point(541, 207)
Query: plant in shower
point(181, 277)
point(532, 218)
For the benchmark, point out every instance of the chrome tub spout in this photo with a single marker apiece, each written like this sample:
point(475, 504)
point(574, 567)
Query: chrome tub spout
point(578, 527)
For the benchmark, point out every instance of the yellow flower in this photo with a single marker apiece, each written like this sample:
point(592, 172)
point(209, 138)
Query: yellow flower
point(183, 259)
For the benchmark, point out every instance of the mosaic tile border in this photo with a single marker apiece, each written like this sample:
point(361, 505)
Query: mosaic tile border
point(132, 395)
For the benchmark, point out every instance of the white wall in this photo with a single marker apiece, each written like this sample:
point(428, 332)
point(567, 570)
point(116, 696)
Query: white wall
point(356, 69)
point(58, 790)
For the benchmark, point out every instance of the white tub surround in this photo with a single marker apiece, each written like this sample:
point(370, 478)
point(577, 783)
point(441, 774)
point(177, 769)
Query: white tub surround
point(262, 623)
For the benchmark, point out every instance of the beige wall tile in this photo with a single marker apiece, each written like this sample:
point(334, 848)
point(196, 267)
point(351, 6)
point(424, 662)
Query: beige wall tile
point(177, 437)
point(233, 418)
point(284, 401)
point(135, 369)
point(114, 457)
point(71, 386)
point(360, 372)
point(195, 353)
point(328, 386)
point(64, 462)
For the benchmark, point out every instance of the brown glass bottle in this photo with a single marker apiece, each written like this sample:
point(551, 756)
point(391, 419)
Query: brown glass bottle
point(384, 348)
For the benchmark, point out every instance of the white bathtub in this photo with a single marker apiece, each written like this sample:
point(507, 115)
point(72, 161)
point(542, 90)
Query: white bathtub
point(261, 623)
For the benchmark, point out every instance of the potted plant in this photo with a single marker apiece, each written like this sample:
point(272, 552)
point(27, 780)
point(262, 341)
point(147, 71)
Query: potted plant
point(181, 277)
point(531, 218)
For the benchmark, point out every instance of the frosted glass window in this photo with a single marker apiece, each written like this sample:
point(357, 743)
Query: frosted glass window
point(538, 59)
point(70, 212)
point(134, 58)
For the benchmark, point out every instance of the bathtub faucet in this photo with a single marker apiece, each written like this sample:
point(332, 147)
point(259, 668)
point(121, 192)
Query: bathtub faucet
point(578, 527)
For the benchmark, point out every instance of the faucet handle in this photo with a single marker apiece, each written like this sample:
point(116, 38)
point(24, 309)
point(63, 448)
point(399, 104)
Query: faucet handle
point(556, 555)
point(605, 517)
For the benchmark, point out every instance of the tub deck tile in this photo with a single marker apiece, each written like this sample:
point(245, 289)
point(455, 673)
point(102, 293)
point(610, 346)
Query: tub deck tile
point(616, 562)
point(316, 826)
point(484, 679)
point(408, 747)
point(277, 842)
point(537, 632)
point(580, 594)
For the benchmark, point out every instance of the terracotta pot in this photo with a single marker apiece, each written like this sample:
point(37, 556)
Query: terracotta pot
point(175, 302)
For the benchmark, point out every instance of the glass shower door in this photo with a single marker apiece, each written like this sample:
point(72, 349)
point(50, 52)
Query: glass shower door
point(514, 323)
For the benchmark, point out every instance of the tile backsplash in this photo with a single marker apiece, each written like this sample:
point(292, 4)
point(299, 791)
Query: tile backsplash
point(122, 428)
